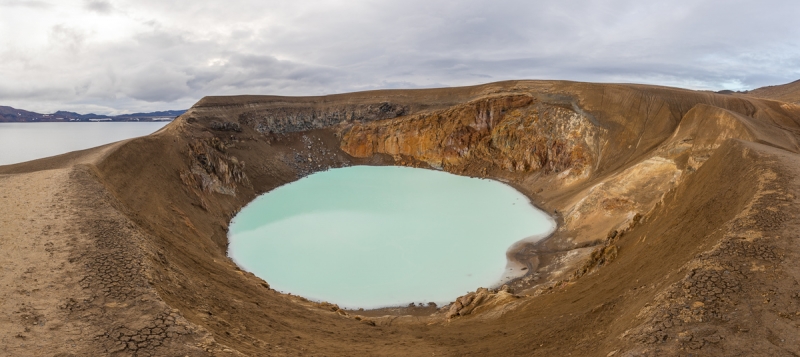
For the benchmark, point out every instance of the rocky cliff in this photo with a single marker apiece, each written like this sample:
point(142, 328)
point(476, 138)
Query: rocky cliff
point(514, 133)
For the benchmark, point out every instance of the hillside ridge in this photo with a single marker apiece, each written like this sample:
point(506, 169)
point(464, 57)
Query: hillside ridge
point(789, 92)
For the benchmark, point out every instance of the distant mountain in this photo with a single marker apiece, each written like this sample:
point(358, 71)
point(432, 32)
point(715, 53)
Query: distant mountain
point(166, 113)
point(13, 115)
point(789, 92)
point(9, 114)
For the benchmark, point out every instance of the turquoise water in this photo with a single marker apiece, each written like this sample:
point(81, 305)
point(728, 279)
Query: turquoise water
point(377, 236)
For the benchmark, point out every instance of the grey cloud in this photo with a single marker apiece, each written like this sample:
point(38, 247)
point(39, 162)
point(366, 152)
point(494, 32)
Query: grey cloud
point(202, 79)
point(67, 37)
point(99, 6)
point(83, 88)
point(29, 4)
point(182, 51)
point(159, 38)
point(16, 93)
point(156, 83)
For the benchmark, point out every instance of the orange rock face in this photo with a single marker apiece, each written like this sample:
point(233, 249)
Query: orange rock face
point(516, 133)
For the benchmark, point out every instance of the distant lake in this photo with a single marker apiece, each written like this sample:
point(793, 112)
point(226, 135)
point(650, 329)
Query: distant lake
point(20, 142)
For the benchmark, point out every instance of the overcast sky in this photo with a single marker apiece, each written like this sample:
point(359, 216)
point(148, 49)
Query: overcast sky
point(122, 56)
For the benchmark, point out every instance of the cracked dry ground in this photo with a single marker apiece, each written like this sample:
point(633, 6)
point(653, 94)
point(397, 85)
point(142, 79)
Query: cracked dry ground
point(81, 289)
point(742, 297)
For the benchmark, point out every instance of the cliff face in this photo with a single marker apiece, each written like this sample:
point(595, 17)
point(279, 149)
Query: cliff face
point(212, 170)
point(288, 120)
point(514, 133)
point(282, 115)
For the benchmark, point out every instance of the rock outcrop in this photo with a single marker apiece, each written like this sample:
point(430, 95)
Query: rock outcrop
point(287, 120)
point(481, 299)
point(211, 169)
point(514, 133)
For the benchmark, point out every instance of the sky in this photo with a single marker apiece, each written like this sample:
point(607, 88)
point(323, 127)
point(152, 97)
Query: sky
point(124, 56)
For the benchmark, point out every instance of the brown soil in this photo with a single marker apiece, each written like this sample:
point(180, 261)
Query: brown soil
point(677, 233)
point(789, 93)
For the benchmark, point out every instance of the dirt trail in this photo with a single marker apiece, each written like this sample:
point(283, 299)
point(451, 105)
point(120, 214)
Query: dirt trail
point(36, 241)
point(72, 278)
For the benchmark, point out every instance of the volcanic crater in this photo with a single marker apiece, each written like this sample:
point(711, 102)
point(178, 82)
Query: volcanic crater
point(676, 210)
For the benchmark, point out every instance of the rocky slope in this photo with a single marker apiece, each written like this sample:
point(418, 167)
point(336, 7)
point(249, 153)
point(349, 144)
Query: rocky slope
point(789, 93)
point(677, 224)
